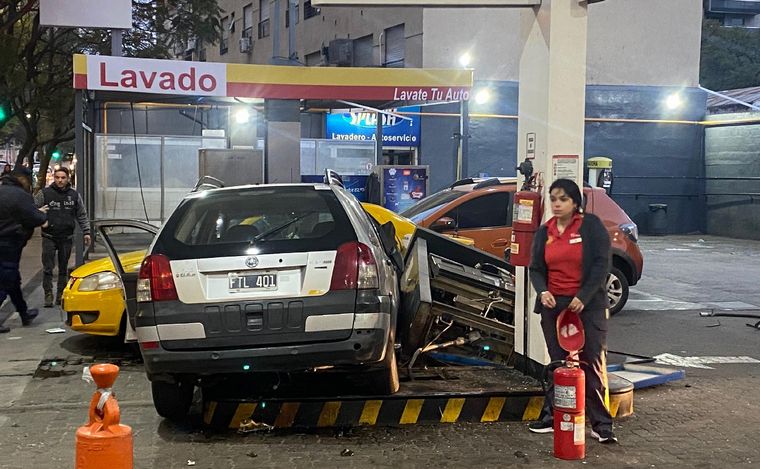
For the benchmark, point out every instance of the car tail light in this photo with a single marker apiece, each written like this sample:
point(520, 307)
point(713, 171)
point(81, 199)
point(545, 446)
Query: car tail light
point(155, 281)
point(355, 268)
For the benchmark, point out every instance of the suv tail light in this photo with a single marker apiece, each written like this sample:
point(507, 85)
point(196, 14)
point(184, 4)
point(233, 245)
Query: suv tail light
point(155, 281)
point(355, 268)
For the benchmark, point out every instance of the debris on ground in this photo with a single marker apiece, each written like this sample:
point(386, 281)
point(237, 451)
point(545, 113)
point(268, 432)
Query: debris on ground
point(249, 426)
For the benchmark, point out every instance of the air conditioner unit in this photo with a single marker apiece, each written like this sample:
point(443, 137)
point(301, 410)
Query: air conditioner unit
point(191, 43)
point(246, 44)
point(341, 52)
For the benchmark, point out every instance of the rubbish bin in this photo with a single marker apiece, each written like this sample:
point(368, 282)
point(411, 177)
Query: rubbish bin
point(658, 219)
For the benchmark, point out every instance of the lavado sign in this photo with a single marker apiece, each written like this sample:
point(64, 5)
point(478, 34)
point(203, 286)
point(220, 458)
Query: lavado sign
point(156, 76)
point(132, 75)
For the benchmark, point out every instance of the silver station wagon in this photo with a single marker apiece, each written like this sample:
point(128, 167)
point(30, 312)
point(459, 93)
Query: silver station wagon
point(266, 278)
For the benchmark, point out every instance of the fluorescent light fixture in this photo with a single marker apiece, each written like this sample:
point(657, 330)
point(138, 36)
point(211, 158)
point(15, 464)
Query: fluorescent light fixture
point(483, 96)
point(674, 101)
point(465, 59)
point(242, 116)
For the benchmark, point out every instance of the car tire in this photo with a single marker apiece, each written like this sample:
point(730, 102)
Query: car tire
point(385, 381)
point(617, 290)
point(172, 400)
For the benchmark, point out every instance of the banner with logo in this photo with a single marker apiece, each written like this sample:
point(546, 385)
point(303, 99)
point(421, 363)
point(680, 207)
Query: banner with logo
point(361, 126)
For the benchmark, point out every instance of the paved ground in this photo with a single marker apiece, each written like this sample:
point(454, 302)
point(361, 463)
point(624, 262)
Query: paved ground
point(707, 420)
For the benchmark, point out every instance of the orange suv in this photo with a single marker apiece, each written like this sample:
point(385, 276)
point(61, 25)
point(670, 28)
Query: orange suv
point(481, 209)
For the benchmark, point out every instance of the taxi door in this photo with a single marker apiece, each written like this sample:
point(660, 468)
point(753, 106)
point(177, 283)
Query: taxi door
point(127, 242)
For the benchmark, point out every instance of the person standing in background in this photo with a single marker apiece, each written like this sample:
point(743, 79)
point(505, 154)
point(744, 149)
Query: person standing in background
point(66, 210)
point(18, 218)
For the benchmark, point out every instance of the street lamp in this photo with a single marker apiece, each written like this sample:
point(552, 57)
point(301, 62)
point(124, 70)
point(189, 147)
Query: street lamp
point(463, 135)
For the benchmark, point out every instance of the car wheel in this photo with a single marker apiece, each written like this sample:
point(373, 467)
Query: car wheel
point(617, 290)
point(385, 381)
point(172, 400)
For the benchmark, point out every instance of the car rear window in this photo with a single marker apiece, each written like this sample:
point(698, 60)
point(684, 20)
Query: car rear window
point(273, 219)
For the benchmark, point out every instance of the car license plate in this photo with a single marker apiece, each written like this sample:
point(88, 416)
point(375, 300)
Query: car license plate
point(265, 281)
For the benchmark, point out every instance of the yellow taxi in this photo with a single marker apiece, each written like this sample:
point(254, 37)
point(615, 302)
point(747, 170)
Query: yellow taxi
point(93, 298)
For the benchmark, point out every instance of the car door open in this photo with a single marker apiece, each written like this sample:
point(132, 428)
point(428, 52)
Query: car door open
point(126, 241)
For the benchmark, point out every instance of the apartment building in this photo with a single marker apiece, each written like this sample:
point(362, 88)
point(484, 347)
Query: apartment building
point(629, 42)
point(641, 54)
point(387, 37)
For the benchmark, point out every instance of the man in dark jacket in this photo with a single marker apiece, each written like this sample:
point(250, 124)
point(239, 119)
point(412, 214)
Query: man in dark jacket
point(65, 210)
point(18, 218)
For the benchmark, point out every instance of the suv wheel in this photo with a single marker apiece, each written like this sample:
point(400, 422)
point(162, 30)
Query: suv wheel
point(385, 381)
point(617, 290)
point(172, 400)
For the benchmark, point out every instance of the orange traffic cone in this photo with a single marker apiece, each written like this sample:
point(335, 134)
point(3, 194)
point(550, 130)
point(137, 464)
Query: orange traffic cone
point(104, 442)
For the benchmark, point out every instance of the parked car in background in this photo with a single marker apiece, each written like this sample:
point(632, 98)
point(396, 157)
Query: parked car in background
point(481, 209)
point(279, 278)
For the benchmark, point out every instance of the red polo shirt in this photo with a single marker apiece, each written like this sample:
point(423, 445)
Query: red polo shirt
point(564, 257)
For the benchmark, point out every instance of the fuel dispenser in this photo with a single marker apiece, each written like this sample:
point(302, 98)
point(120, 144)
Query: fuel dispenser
point(600, 172)
point(526, 218)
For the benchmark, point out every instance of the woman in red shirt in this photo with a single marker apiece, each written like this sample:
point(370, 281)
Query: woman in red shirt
point(569, 267)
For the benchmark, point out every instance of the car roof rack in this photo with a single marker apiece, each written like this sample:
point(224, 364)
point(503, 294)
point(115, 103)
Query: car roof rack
point(488, 183)
point(333, 178)
point(207, 182)
point(463, 182)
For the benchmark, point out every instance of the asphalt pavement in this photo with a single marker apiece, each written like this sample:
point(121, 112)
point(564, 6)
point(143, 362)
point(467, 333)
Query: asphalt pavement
point(708, 419)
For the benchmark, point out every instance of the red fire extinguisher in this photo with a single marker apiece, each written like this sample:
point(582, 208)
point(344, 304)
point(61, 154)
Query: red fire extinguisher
point(570, 391)
point(569, 412)
point(526, 218)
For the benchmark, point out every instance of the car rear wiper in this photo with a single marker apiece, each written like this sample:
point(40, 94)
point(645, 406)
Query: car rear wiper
point(277, 228)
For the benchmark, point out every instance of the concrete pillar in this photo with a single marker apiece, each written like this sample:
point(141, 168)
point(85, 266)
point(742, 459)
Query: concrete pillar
point(282, 154)
point(552, 108)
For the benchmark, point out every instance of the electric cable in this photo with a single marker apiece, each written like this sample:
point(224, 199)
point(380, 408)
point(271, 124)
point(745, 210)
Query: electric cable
point(137, 160)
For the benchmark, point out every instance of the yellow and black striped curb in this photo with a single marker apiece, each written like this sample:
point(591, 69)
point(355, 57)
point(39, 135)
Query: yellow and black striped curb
point(359, 412)
point(391, 411)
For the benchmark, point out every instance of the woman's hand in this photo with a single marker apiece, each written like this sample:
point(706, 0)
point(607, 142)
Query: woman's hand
point(547, 299)
point(576, 305)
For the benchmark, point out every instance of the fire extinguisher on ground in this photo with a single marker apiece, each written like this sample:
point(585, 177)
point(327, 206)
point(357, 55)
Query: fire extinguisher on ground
point(570, 391)
point(569, 412)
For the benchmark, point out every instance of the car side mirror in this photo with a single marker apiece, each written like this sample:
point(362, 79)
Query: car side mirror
point(443, 224)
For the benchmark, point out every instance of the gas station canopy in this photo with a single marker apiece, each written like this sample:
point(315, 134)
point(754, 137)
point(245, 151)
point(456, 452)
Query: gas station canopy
point(174, 77)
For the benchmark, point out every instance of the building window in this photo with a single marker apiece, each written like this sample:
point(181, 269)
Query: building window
point(225, 42)
point(395, 46)
point(314, 59)
point(363, 52)
point(309, 11)
point(201, 48)
point(264, 18)
point(248, 20)
point(287, 14)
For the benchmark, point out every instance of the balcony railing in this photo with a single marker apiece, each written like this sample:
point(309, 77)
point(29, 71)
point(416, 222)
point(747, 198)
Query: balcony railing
point(737, 7)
